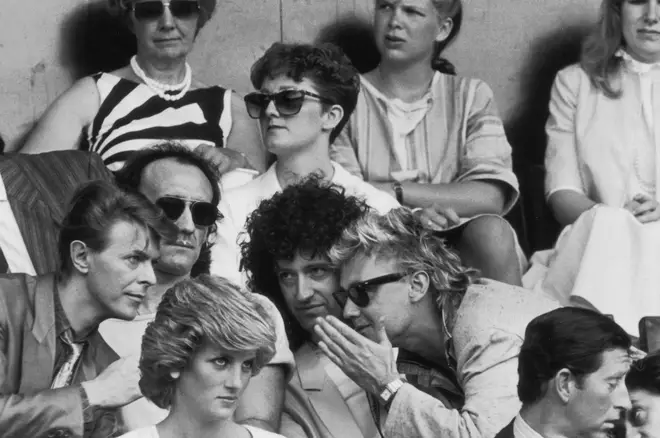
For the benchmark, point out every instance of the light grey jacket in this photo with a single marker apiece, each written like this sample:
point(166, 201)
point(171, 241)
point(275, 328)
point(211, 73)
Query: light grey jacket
point(487, 334)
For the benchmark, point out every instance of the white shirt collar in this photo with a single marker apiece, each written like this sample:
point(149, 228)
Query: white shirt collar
point(635, 65)
point(523, 430)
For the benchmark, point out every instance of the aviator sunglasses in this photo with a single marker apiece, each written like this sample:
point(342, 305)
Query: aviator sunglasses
point(154, 9)
point(358, 292)
point(203, 213)
point(287, 102)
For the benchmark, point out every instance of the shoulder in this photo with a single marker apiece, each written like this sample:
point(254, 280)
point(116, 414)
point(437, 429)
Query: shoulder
point(17, 287)
point(261, 433)
point(245, 198)
point(375, 198)
point(573, 77)
point(145, 432)
point(491, 305)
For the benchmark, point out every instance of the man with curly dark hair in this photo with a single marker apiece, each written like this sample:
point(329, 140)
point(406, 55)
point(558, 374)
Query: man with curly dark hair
point(286, 259)
point(306, 95)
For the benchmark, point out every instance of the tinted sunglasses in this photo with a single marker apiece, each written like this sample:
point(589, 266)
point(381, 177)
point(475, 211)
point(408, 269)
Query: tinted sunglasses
point(358, 292)
point(287, 102)
point(203, 213)
point(153, 10)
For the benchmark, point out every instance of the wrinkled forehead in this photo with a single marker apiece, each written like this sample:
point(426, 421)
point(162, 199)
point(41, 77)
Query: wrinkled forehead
point(169, 177)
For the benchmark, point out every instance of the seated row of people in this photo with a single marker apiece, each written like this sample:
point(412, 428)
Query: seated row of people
point(407, 105)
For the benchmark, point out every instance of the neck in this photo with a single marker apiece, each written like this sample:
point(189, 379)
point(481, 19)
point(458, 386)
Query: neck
point(406, 82)
point(425, 335)
point(293, 167)
point(165, 71)
point(155, 293)
point(80, 308)
point(545, 419)
point(182, 423)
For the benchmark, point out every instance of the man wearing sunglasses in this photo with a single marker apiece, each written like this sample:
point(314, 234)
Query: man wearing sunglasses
point(306, 95)
point(459, 334)
point(286, 259)
point(185, 186)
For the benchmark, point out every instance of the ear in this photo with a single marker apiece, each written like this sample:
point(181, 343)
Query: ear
point(419, 286)
point(175, 374)
point(333, 116)
point(446, 25)
point(565, 384)
point(80, 255)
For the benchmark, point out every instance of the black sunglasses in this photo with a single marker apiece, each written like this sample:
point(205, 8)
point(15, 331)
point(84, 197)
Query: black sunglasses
point(153, 10)
point(358, 292)
point(203, 213)
point(287, 102)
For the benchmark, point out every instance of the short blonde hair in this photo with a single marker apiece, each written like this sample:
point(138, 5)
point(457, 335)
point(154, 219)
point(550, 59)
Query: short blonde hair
point(205, 309)
point(400, 235)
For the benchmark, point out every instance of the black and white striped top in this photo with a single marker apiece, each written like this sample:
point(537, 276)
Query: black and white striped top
point(131, 117)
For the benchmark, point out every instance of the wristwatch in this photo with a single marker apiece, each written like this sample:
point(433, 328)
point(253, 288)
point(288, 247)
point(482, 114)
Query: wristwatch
point(398, 191)
point(390, 391)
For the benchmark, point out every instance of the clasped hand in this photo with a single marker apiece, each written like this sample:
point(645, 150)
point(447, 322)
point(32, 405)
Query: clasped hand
point(371, 365)
point(644, 208)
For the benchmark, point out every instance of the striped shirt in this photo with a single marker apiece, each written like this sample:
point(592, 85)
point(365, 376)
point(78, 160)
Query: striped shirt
point(459, 138)
point(131, 117)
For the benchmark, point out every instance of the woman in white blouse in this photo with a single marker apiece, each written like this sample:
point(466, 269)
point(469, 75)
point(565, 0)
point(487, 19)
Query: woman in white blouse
point(601, 169)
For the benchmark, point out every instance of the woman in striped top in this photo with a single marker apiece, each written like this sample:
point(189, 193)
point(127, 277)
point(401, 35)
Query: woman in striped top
point(434, 139)
point(153, 98)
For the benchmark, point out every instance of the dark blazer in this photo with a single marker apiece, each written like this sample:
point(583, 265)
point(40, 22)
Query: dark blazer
point(28, 407)
point(39, 188)
point(507, 432)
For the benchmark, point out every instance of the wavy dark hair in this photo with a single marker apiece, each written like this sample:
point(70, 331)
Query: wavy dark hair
point(95, 207)
point(325, 65)
point(306, 218)
point(645, 374)
point(569, 337)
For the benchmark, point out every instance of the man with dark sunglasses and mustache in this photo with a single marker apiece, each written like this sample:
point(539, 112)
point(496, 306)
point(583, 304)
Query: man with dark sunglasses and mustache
point(459, 335)
point(286, 259)
point(185, 186)
point(306, 95)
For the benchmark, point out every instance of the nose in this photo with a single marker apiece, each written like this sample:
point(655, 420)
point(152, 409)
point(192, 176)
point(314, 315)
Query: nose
point(235, 378)
point(303, 289)
point(185, 221)
point(167, 19)
point(351, 310)
point(147, 276)
point(270, 109)
point(621, 398)
point(652, 11)
point(394, 21)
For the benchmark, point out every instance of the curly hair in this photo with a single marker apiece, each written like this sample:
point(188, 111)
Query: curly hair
point(122, 9)
point(207, 309)
point(130, 177)
point(644, 374)
point(598, 58)
point(306, 218)
point(401, 236)
point(332, 73)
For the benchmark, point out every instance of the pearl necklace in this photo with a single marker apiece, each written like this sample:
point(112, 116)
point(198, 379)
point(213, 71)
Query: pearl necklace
point(164, 91)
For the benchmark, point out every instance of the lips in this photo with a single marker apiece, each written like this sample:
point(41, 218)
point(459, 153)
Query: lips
point(136, 297)
point(393, 39)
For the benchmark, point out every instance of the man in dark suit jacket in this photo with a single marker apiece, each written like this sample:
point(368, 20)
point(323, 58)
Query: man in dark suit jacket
point(57, 376)
point(38, 189)
point(571, 371)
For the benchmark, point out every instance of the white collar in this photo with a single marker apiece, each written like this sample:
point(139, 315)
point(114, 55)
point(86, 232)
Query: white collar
point(523, 430)
point(635, 65)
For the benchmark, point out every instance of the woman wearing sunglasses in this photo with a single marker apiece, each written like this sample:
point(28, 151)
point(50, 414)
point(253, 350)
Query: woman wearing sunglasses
point(435, 139)
point(153, 98)
point(306, 95)
point(401, 286)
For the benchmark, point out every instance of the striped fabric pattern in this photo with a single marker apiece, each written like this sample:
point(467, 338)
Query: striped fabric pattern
point(131, 117)
point(461, 137)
